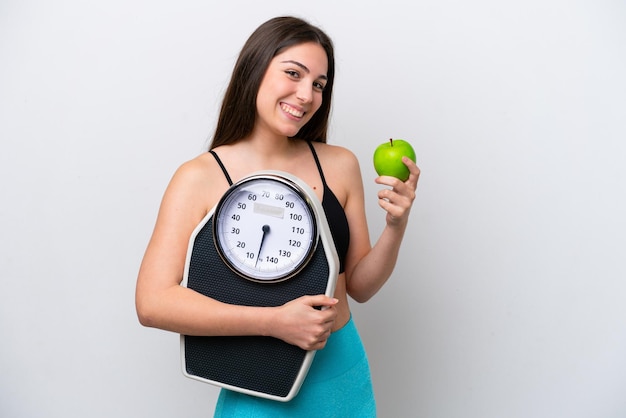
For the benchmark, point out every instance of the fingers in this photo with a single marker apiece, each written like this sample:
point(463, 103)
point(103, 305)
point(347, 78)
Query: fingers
point(306, 327)
point(321, 341)
point(411, 182)
point(322, 337)
point(413, 170)
point(398, 199)
point(320, 300)
point(321, 328)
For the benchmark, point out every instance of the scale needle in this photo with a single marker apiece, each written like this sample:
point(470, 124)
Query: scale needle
point(266, 229)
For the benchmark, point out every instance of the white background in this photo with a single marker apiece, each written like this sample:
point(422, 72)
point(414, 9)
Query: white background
point(508, 298)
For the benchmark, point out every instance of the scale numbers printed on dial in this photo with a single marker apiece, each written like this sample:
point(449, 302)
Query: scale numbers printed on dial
point(265, 229)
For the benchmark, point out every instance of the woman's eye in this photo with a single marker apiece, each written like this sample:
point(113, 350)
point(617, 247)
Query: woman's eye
point(319, 86)
point(292, 73)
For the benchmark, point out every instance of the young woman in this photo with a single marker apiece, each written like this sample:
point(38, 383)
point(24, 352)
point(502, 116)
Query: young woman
point(275, 116)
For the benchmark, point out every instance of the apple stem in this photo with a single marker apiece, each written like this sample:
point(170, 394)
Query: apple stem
point(391, 142)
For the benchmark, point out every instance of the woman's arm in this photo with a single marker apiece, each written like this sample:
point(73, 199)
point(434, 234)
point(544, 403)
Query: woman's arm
point(367, 267)
point(163, 303)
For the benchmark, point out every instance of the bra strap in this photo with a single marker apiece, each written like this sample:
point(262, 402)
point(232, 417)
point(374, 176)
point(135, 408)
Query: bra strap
point(317, 162)
point(230, 182)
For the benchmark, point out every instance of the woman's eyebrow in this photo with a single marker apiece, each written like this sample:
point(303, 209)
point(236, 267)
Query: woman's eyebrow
point(304, 67)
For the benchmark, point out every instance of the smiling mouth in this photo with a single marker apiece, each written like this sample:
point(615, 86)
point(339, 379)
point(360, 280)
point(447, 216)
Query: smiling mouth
point(291, 110)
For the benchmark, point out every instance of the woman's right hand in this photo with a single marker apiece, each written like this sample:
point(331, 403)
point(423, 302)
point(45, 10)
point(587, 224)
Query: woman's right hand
point(299, 323)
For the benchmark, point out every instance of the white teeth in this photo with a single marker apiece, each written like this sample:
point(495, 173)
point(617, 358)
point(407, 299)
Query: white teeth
point(292, 111)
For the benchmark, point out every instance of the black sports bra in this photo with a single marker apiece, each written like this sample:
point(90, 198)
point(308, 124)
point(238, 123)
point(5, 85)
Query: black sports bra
point(336, 216)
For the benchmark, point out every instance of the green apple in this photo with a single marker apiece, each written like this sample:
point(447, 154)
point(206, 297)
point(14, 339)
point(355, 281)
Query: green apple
point(388, 158)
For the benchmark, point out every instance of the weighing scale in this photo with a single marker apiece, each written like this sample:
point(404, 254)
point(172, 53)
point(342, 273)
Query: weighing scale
point(265, 243)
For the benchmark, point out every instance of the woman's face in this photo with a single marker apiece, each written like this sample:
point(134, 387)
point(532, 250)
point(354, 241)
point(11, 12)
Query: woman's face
point(291, 90)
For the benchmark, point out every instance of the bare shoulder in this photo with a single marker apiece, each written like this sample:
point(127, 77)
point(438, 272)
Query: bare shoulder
point(341, 169)
point(197, 168)
point(336, 157)
point(202, 168)
point(199, 181)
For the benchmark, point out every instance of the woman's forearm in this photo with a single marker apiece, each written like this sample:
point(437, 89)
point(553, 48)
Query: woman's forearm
point(375, 268)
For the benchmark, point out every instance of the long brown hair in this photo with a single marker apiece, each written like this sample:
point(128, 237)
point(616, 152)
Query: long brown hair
point(238, 111)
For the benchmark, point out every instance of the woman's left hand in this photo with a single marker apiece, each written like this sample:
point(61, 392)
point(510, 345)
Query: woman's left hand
point(398, 199)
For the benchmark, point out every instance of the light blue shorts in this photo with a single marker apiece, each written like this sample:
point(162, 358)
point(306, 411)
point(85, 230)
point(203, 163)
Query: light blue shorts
point(338, 385)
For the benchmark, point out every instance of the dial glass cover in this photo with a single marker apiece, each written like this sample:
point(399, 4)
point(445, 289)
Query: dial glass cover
point(265, 229)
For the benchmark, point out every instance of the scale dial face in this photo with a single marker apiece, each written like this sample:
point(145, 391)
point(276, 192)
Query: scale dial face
point(265, 228)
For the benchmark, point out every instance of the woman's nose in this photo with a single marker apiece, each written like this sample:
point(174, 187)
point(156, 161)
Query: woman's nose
point(304, 93)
